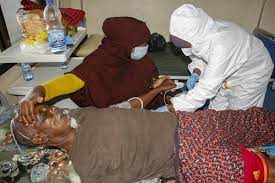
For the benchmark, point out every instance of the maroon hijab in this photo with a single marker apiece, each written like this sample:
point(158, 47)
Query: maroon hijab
point(110, 75)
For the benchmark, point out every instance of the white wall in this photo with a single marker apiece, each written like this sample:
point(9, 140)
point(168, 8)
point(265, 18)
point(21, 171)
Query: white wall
point(7, 79)
point(9, 8)
point(268, 18)
point(156, 13)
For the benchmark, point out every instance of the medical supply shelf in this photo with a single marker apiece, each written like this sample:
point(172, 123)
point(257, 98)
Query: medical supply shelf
point(42, 72)
point(15, 55)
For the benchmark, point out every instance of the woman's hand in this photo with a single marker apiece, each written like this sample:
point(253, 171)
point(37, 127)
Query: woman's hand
point(26, 106)
point(159, 81)
point(165, 84)
point(171, 108)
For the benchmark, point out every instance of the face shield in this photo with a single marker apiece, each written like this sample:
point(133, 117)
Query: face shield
point(187, 51)
point(185, 46)
point(179, 43)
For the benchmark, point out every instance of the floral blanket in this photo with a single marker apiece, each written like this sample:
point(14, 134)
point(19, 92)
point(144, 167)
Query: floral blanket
point(208, 142)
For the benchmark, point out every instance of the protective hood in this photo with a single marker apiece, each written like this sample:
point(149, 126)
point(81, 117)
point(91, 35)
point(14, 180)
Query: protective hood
point(194, 26)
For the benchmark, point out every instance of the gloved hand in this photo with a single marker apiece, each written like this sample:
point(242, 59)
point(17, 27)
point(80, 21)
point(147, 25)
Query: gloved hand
point(161, 109)
point(191, 82)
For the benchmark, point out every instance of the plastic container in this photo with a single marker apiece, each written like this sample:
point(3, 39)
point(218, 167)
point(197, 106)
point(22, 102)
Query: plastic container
point(33, 28)
point(54, 27)
point(32, 24)
point(26, 71)
point(39, 173)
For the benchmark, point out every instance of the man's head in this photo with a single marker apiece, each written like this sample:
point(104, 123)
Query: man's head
point(51, 127)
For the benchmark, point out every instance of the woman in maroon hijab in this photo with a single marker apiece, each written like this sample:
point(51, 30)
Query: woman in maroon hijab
point(118, 70)
point(115, 71)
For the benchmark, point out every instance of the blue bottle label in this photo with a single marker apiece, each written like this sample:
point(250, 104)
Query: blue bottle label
point(56, 38)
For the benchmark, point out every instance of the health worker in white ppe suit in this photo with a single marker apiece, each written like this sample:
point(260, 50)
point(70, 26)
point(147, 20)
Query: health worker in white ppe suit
point(230, 66)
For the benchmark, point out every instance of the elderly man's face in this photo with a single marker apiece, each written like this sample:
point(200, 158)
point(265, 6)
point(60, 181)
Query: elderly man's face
point(51, 120)
point(51, 123)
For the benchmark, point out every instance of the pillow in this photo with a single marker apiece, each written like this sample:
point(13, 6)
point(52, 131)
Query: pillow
point(90, 45)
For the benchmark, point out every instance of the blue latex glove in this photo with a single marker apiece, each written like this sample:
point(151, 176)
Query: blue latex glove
point(191, 82)
point(161, 109)
point(270, 148)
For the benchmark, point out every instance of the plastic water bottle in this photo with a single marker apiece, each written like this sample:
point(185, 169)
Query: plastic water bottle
point(55, 30)
point(27, 71)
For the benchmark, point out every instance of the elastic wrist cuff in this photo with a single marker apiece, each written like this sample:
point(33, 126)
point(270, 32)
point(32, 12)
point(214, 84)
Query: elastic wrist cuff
point(141, 102)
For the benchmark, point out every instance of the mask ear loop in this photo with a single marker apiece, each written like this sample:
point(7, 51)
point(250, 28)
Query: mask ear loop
point(141, 102)
point(19, 148)
point(164, 96)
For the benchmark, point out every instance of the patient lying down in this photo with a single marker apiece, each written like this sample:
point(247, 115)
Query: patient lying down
point(106, 145)
point(123, 145)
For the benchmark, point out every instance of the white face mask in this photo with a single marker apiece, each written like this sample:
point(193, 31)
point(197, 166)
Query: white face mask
point(73, 123)
point(139, 52)
point(187, 51)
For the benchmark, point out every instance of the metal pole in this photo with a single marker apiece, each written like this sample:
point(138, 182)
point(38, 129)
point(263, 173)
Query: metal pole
point(81, 4)
point(57, 4)
point(261, 13)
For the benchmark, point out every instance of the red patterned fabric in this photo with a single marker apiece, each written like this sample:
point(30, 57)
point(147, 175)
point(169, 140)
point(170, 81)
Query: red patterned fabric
point(71, 16)
point(207, 143)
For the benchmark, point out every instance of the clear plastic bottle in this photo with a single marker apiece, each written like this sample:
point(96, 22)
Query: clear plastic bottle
point(55, 30)
point(26, 71)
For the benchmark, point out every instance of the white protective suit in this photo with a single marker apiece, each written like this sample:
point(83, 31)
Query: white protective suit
point(235, 66)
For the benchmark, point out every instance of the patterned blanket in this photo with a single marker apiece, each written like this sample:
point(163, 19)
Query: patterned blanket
point(207, 142)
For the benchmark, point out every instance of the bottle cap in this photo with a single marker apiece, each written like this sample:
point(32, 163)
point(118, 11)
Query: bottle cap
point(39, 172)
point(49, 1)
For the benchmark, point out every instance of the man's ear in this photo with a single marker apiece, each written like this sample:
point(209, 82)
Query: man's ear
point(39, 139)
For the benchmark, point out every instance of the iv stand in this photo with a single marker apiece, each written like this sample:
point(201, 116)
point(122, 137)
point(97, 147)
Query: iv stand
point(58, 4)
